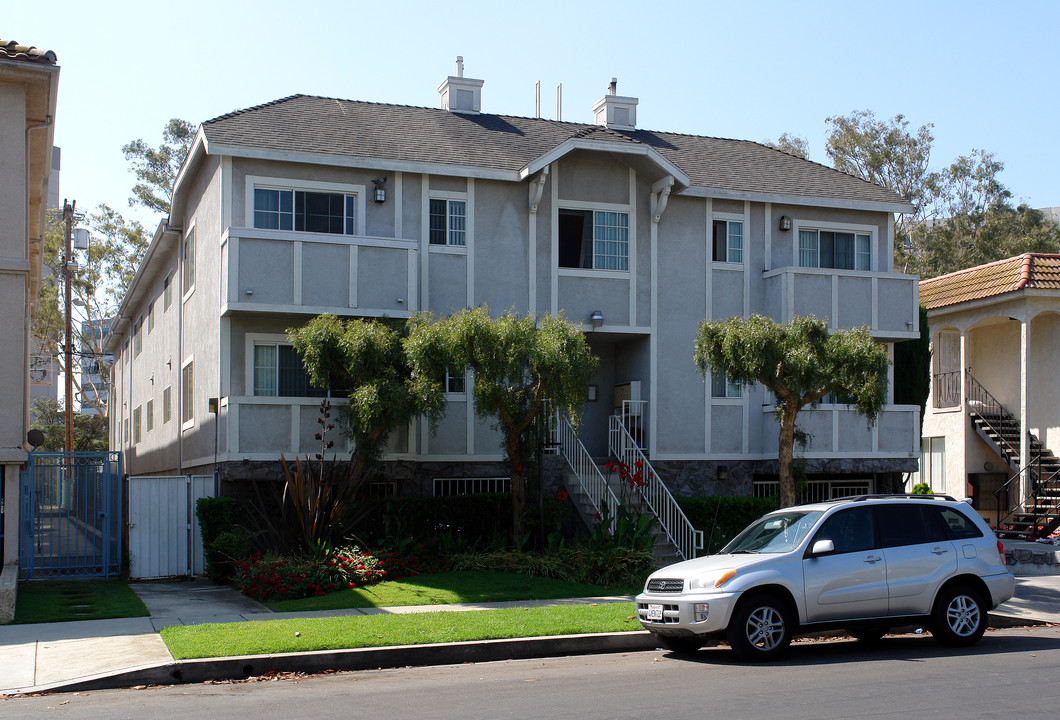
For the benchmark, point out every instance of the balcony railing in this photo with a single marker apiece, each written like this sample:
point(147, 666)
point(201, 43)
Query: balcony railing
point(884, 301)
point(284, 271)
point(947, 389)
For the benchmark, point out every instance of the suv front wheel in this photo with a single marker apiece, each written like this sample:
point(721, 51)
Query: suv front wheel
point(958, 618)
point(760, 628)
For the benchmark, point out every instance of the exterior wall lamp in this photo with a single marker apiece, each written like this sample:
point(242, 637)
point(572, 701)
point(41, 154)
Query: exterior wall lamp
point(785, 222)
point(380, 191)
point(596, 318)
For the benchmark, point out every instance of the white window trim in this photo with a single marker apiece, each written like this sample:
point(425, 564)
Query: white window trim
point(170, 408)
point(871, 230)
point(457, 396)
point(250, 341)
point(183, 269)
point(190, 422)
point(254, 182)
point(167, 292)
point(137, 425)
point(727, 217)
point(631, 236)
point(448, 195)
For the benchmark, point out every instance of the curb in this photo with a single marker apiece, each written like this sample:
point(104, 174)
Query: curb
point(244, 666)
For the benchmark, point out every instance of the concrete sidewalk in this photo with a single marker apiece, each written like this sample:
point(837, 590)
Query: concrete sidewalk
point(95, 654)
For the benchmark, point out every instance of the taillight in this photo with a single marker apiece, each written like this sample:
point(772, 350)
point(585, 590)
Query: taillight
point(1001, 550)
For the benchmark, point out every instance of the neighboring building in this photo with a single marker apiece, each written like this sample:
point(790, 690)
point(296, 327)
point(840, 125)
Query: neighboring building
point(307, 205)
point(94, 374)
point(28, 84)
point(995, 399)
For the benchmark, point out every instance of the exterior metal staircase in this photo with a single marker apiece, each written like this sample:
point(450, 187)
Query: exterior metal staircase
point(1039, 512)
point(675, 537)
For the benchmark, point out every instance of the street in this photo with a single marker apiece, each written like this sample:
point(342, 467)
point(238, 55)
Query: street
point(1009, 672)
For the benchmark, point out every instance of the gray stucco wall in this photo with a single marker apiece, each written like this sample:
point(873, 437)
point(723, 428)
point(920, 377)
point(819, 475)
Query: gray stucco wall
point(687, 423)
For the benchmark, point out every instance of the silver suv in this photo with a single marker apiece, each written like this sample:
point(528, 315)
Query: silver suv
point(866, 564)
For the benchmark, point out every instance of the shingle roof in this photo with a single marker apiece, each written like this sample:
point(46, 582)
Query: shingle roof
point(330, 126)
point(1032, 270)
point(11, 50)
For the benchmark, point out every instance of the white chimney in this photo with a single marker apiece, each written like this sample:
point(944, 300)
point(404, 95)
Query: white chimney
point(615, 111)
point(460, 94)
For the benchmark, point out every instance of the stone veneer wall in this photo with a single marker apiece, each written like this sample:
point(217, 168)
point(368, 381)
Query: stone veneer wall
point(684, 478)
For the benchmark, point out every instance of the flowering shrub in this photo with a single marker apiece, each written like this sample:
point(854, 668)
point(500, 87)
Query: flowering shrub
point(272, 577)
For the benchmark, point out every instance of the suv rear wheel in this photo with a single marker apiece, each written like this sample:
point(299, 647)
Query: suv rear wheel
point(760, 628)
point(958, 618)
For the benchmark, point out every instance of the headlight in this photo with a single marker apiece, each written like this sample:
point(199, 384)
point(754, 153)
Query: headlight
point(711, 581)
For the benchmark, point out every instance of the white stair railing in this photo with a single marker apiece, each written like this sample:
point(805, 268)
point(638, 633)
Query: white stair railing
point(672, 519)
point(591, 480)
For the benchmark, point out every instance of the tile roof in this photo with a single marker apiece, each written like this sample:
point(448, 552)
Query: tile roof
point(1032, 270)
point(11, 50)
point(329, 126)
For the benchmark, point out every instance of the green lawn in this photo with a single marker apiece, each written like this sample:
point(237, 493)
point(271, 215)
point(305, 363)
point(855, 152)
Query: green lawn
point(304, 634)
point(48, 601)
point(450, 587)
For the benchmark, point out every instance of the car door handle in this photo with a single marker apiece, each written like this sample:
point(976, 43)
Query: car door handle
point(873, 559)
point(939, 551)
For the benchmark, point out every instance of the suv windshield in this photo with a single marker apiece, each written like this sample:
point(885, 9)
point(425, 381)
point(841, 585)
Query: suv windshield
point(776, 533)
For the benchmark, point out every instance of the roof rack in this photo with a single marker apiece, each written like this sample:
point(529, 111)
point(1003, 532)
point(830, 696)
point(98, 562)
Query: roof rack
point(911, 496)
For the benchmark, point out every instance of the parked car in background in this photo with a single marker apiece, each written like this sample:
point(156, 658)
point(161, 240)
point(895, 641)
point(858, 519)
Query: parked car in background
point(866, 564)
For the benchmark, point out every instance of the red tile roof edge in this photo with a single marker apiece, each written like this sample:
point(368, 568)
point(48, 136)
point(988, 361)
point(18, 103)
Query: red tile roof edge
point(11, 50)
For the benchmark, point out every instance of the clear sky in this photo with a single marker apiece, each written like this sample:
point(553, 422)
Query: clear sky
point(979, 71)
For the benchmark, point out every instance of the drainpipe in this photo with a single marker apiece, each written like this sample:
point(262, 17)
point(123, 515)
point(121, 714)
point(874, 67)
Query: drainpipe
point(31, 300)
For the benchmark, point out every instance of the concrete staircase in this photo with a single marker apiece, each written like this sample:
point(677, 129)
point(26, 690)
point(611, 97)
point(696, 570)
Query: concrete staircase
point(1039, 514)
point(664, 550)
point(596, 494)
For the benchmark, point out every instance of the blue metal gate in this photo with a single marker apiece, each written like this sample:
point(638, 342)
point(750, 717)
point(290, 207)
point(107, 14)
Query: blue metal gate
point(71, 515)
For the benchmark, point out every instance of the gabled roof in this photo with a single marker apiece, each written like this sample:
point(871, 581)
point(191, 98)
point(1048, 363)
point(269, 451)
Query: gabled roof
point(506, 147)
point(1032, 270)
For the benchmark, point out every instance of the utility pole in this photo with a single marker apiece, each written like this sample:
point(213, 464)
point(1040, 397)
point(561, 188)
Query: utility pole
point(68, 221)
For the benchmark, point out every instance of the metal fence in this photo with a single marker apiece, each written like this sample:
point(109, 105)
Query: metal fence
point(471, 486)
point(815, 490)
point(71, 515)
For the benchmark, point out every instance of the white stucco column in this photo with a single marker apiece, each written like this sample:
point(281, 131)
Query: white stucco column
point(1025, 450)
point(12, 505)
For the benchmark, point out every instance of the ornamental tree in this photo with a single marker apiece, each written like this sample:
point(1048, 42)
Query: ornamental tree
point(518, 363)
point(365, 360)
point(799, 362)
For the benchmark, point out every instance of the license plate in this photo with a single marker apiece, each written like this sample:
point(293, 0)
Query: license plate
point(655, 612)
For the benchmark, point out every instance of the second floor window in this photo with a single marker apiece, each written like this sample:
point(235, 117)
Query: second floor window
point(304, 211)
point(834, 249)
point(448, 222)
point(279, 372)
point(728, 241)
point(594, 240)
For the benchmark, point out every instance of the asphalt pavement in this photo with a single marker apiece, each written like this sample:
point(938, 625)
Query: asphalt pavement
point(95, 654)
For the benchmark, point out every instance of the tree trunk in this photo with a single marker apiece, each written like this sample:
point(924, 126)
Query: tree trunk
point(515, 466)
point(785, 456)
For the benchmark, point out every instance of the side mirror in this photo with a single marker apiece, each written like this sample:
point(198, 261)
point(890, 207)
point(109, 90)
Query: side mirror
point(822, 547)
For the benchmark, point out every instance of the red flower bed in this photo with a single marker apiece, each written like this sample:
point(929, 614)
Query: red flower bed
point(269, 577)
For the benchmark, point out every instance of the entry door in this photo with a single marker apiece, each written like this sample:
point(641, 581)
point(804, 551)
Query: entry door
point(851, 582)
